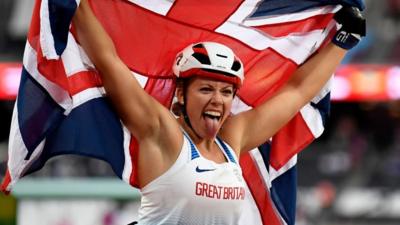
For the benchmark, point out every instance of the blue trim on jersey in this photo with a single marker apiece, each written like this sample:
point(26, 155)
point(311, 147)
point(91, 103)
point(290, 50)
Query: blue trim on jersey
point(194, 153)
point(226, 150)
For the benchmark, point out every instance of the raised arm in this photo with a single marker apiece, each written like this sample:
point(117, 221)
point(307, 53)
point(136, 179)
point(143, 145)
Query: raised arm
point(142, 114)
point(259, 124)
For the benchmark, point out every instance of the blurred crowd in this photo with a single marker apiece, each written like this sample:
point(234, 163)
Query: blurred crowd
point(359, 148)
point(382, 43)
point(353, 170)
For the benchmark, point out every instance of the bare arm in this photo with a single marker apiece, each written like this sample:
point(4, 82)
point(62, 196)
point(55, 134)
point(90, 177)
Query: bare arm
point(261, 123)
point(156, 130)
point(252, 128)
point(141, 113)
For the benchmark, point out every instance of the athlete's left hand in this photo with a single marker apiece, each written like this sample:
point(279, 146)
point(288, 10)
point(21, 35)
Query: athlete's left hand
point(353, 27)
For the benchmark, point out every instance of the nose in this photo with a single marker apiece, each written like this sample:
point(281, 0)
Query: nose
point(217, 98)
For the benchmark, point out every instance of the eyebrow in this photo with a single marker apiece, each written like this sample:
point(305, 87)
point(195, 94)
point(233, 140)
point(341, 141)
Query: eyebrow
point(228, 86)
point(208, 84)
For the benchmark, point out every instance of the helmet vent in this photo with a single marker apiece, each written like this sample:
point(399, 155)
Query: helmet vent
point(219, 72)
point(199, 45)
point(209, 60)
point(236, 66)
point(222, 56)
point(203, 59)
point(200, 53)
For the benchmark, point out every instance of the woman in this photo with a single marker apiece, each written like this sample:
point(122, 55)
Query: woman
point(188, 166)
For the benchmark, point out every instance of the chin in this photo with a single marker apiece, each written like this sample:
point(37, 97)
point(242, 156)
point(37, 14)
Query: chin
point(207, 135)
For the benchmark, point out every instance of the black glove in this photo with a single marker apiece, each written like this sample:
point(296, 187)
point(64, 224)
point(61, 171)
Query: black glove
point(353, 27)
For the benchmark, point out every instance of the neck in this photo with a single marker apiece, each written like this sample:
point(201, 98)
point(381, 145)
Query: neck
point(199, 141)
point(207, 147)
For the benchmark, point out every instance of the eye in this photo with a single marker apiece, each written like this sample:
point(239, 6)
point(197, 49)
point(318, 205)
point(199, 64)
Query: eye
point(227, 92)
point(206, 89)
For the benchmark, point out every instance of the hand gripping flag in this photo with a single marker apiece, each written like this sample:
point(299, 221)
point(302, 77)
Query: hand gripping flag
point(62, 108)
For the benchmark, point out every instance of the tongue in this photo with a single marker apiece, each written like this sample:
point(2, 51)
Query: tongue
point(211, 126)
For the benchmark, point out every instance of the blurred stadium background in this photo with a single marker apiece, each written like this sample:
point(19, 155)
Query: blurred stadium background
point(350, 176)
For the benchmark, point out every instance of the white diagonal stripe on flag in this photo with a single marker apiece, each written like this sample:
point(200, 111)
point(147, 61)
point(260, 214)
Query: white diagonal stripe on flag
point(74, 58)
point(273, 173)
point(290, 17)
point(57, 93)
point(161, 7)
point(127, 172)
point(295, 47)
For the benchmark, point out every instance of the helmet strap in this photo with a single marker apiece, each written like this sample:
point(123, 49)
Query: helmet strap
point(185, 115)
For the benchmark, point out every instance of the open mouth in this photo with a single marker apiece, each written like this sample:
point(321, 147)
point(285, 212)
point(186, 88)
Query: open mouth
point(212, 122)
point(212, 115)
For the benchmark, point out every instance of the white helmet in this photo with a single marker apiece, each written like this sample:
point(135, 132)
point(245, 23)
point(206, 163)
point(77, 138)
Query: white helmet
point(211, 60)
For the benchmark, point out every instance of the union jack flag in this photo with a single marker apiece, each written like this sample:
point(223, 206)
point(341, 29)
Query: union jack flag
point(62, 108)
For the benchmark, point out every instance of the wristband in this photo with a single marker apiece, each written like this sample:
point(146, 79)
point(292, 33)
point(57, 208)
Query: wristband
point(346, 40)
point(353, 27)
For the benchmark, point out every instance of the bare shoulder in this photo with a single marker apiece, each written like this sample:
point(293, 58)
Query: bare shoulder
point(157, 153)
point(165, 137)
point(232, 132)
point(243, 130)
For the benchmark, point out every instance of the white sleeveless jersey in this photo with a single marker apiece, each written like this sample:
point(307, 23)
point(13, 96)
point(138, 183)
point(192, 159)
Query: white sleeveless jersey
point(195, 190)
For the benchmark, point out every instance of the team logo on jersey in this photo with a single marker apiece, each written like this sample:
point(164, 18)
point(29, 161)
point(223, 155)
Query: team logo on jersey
point(202, 170)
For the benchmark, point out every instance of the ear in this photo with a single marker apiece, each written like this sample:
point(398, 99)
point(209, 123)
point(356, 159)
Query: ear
point(179, 94)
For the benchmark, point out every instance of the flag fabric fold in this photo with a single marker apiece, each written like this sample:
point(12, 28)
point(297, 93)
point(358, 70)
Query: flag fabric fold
point(62, 107)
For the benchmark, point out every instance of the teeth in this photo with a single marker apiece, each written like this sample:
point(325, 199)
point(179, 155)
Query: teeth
point(212, 113)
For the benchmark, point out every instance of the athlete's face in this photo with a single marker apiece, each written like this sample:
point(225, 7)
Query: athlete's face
point(208, 104)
